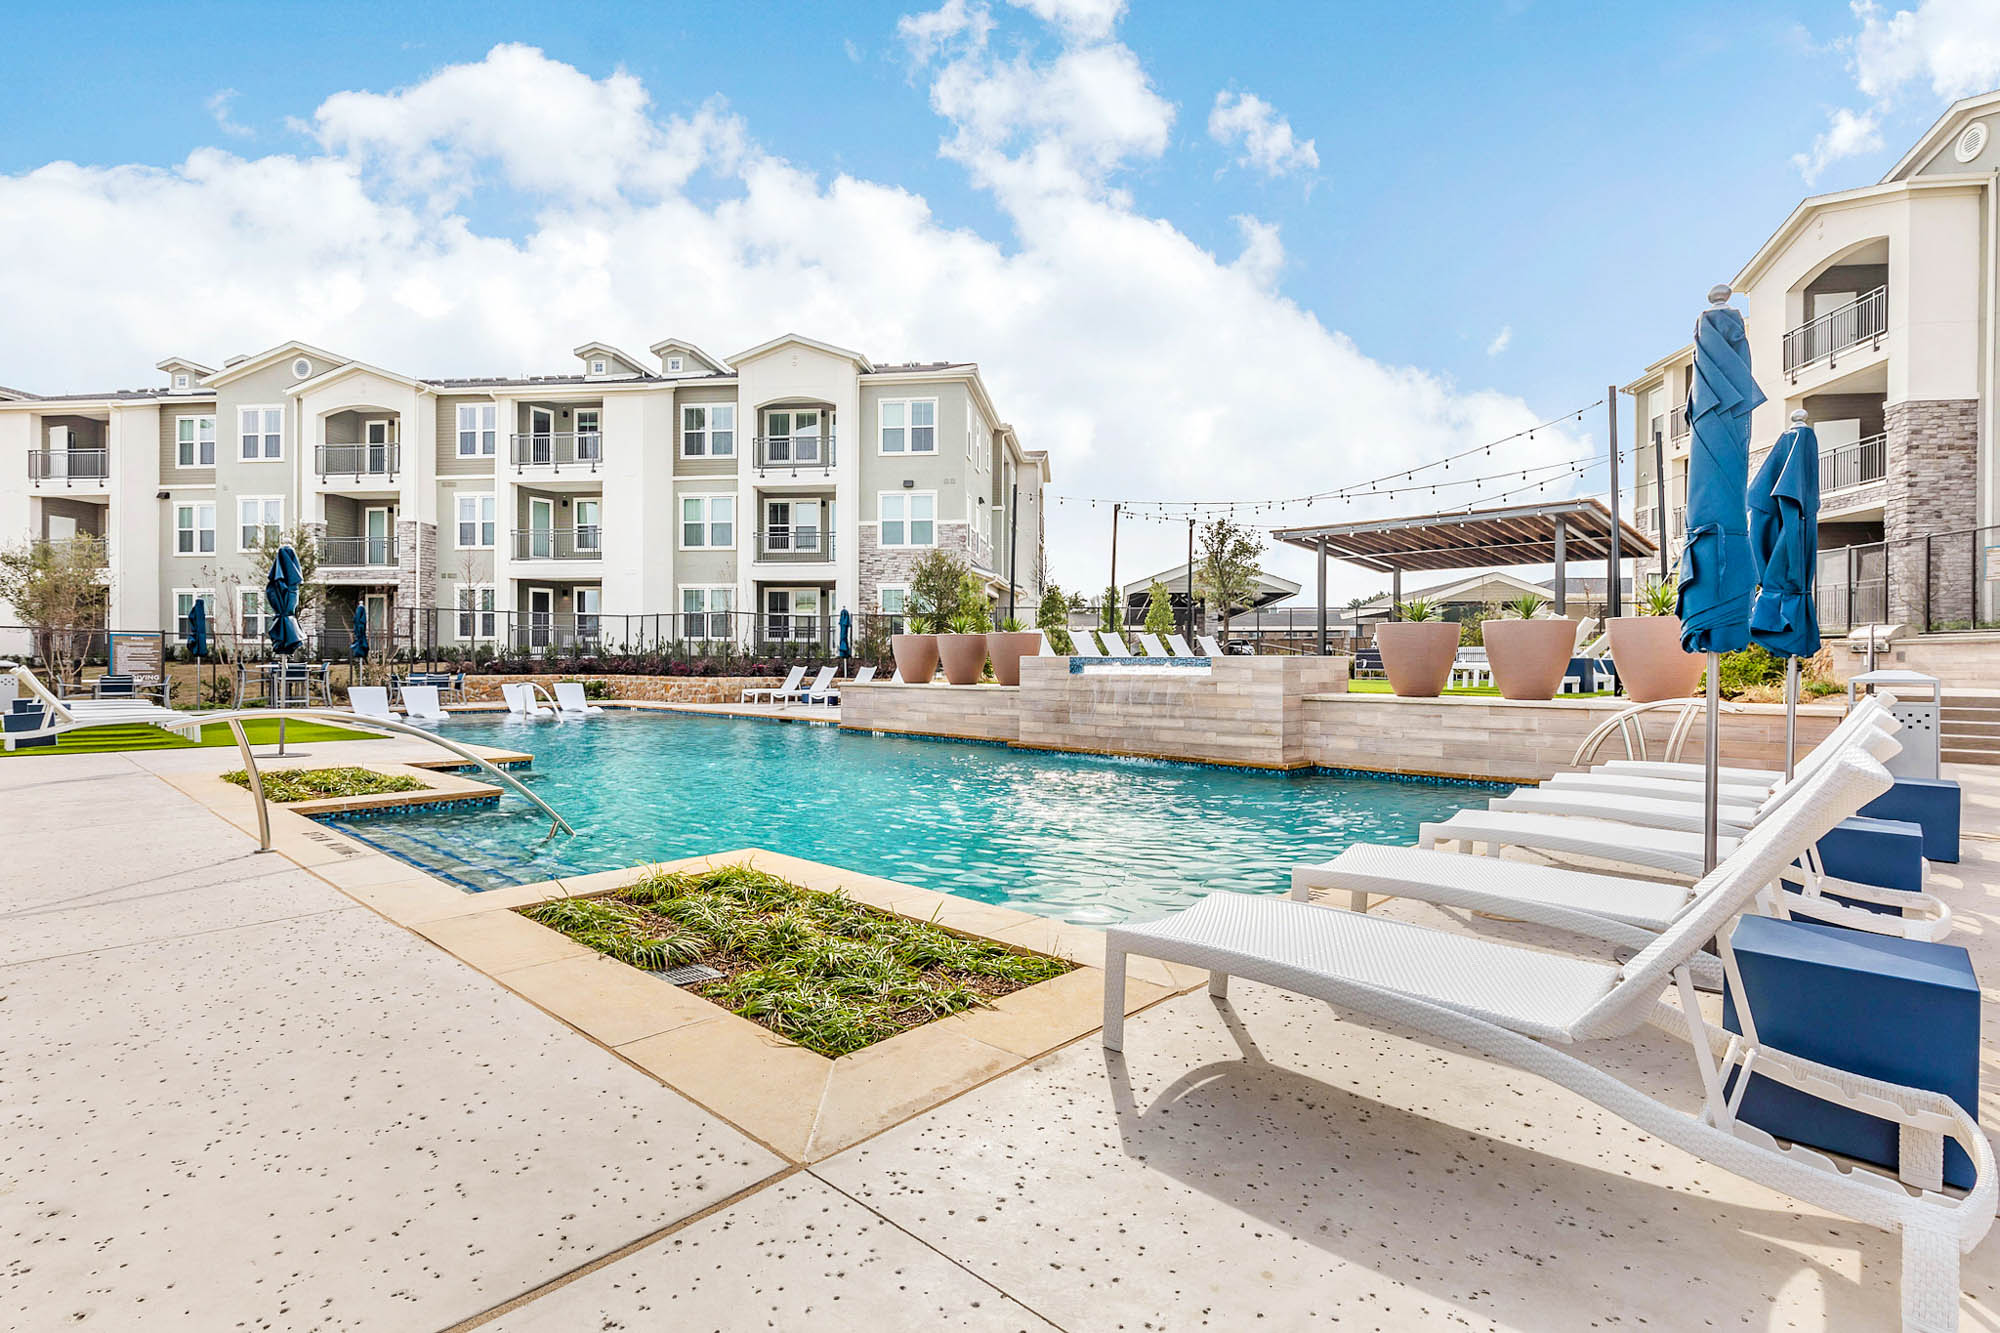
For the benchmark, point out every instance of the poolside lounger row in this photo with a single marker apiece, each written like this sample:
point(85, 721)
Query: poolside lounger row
point(1532, 1009)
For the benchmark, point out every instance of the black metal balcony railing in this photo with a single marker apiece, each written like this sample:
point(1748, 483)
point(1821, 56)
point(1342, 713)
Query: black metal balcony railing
point(1862, 320)
point(353, 552)
point(1854, 464)
point(782, 452)
point(557, 450)
point(358, 460)
point(72, 467)
point(1677, 421)
point(792, 541)
point(584, 543)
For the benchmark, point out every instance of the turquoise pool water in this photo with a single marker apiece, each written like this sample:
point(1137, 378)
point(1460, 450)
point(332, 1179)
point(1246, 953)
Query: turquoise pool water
point(1082, 838)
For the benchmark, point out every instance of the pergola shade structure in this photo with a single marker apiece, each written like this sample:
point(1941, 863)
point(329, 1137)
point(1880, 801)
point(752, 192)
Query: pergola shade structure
point(1531, 534)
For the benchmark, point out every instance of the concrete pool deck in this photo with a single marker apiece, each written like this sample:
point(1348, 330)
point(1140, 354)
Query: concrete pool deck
point(234, 1091)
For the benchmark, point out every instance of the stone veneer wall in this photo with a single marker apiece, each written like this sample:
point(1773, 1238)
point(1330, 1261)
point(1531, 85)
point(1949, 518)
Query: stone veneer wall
point(652, 689)
point(1520, 741)
point(1932, 486)
point(964, 712)
point(416, 563)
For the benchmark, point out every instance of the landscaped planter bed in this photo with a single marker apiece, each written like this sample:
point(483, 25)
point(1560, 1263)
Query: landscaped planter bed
point(817, 968)
point(286, 785)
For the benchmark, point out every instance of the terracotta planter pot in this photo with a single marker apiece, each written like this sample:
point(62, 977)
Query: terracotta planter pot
point(964, 657)
point(916, 657)
point(1007, 649)
point(1418, 655)
point(1529, 657)
point(1650, 662)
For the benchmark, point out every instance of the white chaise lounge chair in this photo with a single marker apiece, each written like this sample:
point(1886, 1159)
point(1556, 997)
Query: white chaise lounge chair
point(521, 701)
point(1540, 1011)
point(370, 700)
point(1114, 645)
point(1179, 646)
point(62, 715)
point(420, 703)
point(822, 683)
point(768, 694)
point(1150, 645)
point(570, 701)
point(1209, 647)
point(1084, 643)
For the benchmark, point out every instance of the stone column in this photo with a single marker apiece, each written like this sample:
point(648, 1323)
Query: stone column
point(1931, 487)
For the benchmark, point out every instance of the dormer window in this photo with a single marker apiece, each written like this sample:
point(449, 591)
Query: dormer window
point(181, 381)
point(597, 364)
point(674, 365)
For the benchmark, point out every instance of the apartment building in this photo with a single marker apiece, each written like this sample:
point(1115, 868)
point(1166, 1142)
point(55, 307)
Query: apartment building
point(1873, 310)
point(790, 481)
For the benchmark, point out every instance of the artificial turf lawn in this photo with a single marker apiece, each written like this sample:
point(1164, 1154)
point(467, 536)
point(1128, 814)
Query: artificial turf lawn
point(825, 971)
point(139, 736)
point(283, 786)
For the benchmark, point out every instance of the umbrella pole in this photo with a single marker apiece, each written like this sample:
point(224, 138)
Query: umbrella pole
point(1711, 763)
point(1791, 712)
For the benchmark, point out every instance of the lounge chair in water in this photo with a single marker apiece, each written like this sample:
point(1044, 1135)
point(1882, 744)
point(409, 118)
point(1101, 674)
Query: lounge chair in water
point(822, 684)
point(521, 701)
point(420, 704)
point(369, 700)
point(1546, 1013)
point(570, 701)
point(772, 694)
point(1179, 646)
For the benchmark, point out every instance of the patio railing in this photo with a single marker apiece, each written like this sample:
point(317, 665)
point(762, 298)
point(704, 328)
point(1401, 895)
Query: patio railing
point(358, 460)
point(357, 551)
point(1854, 464)
point(69, 466)
point(557, 450)
point(1862, 320)
point(583, 543)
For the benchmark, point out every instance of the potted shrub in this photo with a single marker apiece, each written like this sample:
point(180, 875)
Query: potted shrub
point(935, 583)
point(1418, 650)
point(1647, 648)
point(916, 652)
point(963, 647)
point(1529, 652)
point(1007, 646)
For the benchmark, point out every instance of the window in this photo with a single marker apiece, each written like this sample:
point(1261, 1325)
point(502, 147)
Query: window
point(476, 618)
point(895, 600)
point(475, 521)
point(258, 518)
point(194, 441)
point(708, 430)
point(478, 429)
point(791, 525)
point(256, 613)
point(181, 380)
point(301, 368)
point(589, 535)
point(261, 430)
point(792, 436)
point(708, 521)
point(194, 529)
point(706, 612)
point(589, 442)
point(597, 365)
point(674, 364)
point(908, 518)
point(909, 426)
point(184, 600)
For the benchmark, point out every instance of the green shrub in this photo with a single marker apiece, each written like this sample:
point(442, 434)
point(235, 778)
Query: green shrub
point(1159, 610)
point(1747, 667)
point(284, 786)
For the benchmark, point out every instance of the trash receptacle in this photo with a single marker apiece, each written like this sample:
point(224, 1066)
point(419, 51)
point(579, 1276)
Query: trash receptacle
point(1922, 717)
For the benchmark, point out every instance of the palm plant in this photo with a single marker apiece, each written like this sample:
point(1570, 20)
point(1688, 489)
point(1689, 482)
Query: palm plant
point(1419, 608)
point(1660, 597)
point(1527, 606)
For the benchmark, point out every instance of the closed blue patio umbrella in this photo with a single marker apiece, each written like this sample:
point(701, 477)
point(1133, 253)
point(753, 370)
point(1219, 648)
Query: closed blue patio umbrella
point(281, 594)
point(197, 630)
point(1784, 543)
point(1717, 575)
point(846, 627)
point(359, 648)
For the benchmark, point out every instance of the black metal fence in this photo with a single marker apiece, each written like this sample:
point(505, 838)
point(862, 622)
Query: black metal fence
point(1942, 583)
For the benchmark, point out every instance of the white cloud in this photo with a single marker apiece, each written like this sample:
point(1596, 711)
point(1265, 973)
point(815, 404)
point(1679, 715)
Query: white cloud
point(218, 107)
point(1148, 365)
point(1501, 340)
point(1085, 20)
point(1262, 137)
point(1950, 47)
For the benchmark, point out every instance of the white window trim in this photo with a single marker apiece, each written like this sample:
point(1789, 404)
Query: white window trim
point(908, 429)
point(708, 607)
point(492, 613)
point(196, 507)
point(902, 588)
point(181, 381)
point(261, 457)
point(457, 519)
point(674, 365)
point(906, 521)
point(708, 499)
point(707, 429)
point(200, 595)
point(246, 599)
point(260, 501)
point(480, 431)
point(195, 443)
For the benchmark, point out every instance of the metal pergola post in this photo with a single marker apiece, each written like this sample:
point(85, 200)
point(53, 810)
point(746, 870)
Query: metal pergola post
point(1322, 596)
point(1562, 574)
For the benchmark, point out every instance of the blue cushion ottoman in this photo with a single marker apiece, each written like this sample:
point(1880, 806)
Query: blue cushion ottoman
point(1905, 1011)
point(1884, 852)
point(1932, 804)
point(26, 715)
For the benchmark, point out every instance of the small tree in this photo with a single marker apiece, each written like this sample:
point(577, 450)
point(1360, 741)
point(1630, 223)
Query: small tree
point(58, 591)
point(972, 616)
point(1159, 610)
point(935, 583)
point(1052, 618)
point(1225, 567)
point(1107, 612)
point(300, 538)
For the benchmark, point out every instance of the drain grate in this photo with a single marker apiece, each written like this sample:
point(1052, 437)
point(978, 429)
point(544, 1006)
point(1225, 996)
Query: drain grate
point(686, 976)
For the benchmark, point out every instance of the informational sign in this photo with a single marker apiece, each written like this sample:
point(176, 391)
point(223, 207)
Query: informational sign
point(140, 656)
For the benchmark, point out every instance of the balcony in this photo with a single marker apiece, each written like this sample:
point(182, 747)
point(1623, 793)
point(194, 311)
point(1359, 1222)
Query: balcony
point(1677, 422)
point(1862, 320)
point(358, 461)
point(577, 452)
point(795, 542)
point(358, 552)
point(792, 453)
point(1854, 464)
point(559, 543)
point(69, 467)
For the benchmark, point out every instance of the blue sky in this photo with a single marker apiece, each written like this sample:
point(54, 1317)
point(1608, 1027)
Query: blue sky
point(1523, 200)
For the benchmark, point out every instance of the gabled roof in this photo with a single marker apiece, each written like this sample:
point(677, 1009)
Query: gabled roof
point(1270, 587)
point(270, 357)
point(178, 363)
point(1657, 369)
point(765, 349)
point(667, 345)
point(15, 395)
point(1940, 134)
point(1463, 590)
point(341, 372)
point(610, 353)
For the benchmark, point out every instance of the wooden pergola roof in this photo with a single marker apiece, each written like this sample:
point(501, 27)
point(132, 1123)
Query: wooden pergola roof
point(1475, 539)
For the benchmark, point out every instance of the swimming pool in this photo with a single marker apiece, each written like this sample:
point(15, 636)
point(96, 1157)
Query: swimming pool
point(1078, 837)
